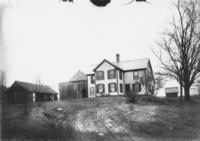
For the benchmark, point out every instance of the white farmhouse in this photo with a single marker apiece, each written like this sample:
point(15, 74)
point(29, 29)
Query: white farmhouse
point(117, 78)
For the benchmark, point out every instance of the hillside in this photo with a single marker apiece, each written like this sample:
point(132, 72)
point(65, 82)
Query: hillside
point(102, 119)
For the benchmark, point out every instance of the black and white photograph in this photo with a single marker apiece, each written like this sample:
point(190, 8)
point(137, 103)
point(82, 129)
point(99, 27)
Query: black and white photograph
point(99, 70)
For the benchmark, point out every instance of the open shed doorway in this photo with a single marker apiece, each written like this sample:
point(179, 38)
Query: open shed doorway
point(84, 93)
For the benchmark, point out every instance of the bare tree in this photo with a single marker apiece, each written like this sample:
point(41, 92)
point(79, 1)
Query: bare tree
point(180, 45)
point(159, 80)
point(2, 78)
point(38, 83)
point(36, 96)
point(38, 89)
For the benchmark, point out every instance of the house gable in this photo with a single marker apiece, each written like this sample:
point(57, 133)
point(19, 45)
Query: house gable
point(105, 66)
point(106, 62)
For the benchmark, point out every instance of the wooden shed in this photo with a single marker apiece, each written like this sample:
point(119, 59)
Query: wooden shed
point(75, 88)
point(24, 92)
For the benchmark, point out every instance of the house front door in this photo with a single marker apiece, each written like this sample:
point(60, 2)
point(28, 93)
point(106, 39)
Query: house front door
point(127, 89)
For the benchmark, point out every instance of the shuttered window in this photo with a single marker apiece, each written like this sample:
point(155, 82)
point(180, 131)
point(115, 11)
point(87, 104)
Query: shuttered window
point(112, 87)
point(92, 79)
point(120, 75)
point(135, 75)
point(99, 75)
point(100, 88)
point(111, 74)
point(121, 88)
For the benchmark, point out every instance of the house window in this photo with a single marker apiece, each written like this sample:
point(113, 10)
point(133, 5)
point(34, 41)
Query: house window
point(120, 75)
point(112, 87)
point(100, 88)
point(92, 91)
point(136, 87)
point(111, 74)
point(92, 79)
point(142, 77)
point(99, 75)
point(121, 88)
point(141, 73)
point(135, 75)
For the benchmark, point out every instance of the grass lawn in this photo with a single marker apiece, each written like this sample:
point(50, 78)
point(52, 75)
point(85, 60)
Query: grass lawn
point(103, 119)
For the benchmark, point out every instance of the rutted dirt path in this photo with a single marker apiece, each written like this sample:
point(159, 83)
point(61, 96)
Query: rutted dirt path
point(113, 118)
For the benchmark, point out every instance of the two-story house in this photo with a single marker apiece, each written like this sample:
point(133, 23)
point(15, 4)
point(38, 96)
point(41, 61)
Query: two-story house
point(121, 77)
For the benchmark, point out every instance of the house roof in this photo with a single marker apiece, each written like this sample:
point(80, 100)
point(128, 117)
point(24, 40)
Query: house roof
point(79, 76)
point(133, 64)
point(122, 65)
point(34, 87)
point(125, 65)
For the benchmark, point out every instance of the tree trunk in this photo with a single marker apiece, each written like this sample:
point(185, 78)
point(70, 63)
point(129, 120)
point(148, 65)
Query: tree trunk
point(181, 93)
point(187, 93)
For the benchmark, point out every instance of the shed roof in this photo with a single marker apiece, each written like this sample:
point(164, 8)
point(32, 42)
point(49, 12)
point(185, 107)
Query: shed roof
point(33, 87)
point(79, 76)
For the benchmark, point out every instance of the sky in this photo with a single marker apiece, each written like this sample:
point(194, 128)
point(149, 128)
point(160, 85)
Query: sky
point(52, 40)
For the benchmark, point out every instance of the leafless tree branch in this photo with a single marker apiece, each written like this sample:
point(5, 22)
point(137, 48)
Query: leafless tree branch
point(181, 45)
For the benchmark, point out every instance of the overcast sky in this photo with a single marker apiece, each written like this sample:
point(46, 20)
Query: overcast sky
point(54, 39)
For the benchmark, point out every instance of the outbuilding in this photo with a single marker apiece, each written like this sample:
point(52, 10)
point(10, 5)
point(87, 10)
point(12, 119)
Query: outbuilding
point(171, 91)
point(75, 88)
point(24, 92)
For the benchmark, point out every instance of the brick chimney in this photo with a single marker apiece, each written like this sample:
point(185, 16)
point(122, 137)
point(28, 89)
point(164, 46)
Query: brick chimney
point(117, 58)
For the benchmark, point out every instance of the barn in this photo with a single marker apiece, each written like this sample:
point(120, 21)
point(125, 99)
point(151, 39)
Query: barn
point(75, 88)
point(24, 92)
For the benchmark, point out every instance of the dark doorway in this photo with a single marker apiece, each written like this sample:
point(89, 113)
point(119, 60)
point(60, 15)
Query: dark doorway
point(172, 94)
point(84, 93)
point(127, 88)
